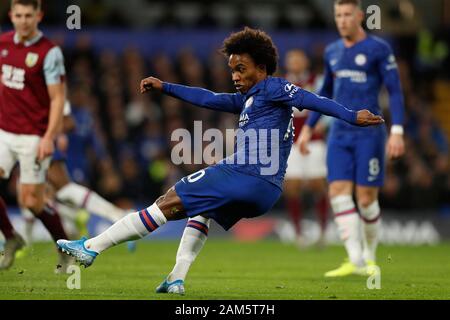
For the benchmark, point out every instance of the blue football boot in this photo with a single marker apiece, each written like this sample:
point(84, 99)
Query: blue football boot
point(175, 287)
point(77, 250)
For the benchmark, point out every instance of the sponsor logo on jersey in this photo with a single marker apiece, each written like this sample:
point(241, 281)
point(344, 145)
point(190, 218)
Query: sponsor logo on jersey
point(12, 77)
point(360, 59)
point(291, 89)
point(333, 62)
point(288, 87)
point(31, 59)
point(354, 75)
point(392, 63)
point(249, 102)
point(243, 120)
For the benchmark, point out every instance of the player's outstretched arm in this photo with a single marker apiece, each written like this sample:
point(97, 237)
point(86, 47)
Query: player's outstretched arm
point(198, 96)
point(329, 107)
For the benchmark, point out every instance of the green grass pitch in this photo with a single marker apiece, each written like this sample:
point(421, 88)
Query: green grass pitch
point(232, 270)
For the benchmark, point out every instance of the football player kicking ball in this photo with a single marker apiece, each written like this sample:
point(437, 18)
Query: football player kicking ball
point(232, 189)
point(355, 68)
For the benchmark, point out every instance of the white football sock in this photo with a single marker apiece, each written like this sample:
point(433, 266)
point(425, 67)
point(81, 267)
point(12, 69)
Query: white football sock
point(370, 217)
point(194, 237)
point(85, 198)
point(131, 227)
point(29, 224)
point(348, 222)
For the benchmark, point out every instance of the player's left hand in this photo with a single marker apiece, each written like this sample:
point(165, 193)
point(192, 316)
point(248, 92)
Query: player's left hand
point(366, 118)
point(395, 147)
point(46, 148)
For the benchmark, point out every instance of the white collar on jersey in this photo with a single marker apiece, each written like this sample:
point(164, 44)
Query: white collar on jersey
point(30, 42)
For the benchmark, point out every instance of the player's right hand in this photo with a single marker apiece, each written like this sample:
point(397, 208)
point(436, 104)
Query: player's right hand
point(45, 149)
point(304, 139)
point(151, 83)
point(366, 118)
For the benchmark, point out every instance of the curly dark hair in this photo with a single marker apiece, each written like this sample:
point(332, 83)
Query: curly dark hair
point(255, 43)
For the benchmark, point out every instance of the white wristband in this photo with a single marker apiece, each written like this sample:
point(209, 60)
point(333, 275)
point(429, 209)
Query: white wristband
point(397, 129)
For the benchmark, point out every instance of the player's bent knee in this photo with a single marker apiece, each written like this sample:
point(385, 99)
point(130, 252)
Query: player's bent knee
point(340, 189)
point(171, 206)
point(366, 195)
point(34, 204)
point(366, 200)
point(371, 212)
point(32, 200)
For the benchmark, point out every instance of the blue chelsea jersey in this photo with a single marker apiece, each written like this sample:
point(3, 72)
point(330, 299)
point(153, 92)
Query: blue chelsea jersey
point(354, 76)
point(265, 136)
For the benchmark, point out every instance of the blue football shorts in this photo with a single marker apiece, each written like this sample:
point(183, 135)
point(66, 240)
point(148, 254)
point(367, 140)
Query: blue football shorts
point(226, 195)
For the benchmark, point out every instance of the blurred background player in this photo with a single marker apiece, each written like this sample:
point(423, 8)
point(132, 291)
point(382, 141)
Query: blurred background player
point(305, 171)
point(32, 96)
point(355, 68)
point(74, 201)
point(67, 214)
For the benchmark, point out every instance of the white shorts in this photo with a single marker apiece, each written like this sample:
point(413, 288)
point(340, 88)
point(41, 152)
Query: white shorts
point(22, 148)
point(311, 166)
